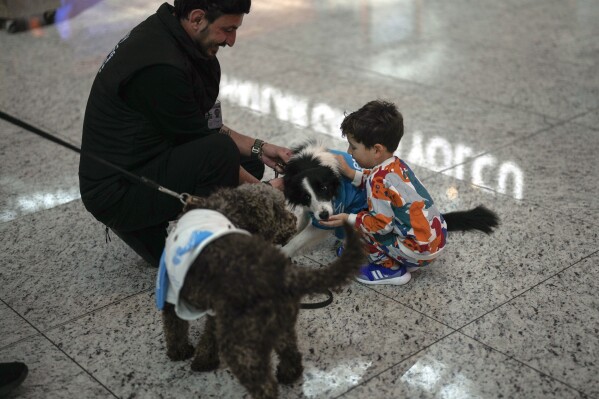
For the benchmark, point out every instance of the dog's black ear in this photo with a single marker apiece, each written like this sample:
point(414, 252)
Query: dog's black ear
point(294, 190)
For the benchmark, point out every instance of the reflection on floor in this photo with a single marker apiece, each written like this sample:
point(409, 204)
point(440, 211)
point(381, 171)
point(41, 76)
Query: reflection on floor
point(501, 107)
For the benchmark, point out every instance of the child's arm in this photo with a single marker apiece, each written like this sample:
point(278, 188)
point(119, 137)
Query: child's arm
point(356, 176)
point(335, 220)
point(379, 223)
point(344, 168)
point(380, 217)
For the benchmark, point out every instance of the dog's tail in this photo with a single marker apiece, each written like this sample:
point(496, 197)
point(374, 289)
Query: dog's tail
point(479, 218)
point(303, 281)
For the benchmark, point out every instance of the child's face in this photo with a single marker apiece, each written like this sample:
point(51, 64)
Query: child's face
point(365, 157)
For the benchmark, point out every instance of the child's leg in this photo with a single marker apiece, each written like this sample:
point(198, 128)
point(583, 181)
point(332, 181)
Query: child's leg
point(391, 257)
point(412, 264)
point(382, 269)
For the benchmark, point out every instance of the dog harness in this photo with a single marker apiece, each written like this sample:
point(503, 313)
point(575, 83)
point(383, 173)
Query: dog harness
point(348, 199)
point(193, 232)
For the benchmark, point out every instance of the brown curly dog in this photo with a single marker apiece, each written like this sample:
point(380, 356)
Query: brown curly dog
point(253, 290)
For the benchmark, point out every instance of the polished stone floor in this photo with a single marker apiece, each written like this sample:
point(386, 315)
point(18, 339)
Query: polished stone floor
point(501, 107)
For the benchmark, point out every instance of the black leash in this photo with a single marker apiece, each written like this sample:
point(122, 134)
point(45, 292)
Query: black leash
point(318, 305)
point(143, 180)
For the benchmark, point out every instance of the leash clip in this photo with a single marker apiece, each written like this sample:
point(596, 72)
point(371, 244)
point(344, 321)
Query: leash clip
point(184, 198)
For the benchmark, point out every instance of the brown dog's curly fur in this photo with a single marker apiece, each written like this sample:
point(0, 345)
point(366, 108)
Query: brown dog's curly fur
point(254, 291)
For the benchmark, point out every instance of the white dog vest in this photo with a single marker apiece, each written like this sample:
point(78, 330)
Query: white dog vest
point(193, 232)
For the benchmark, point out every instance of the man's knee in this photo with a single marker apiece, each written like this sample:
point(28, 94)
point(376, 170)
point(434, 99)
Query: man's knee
point(220, 166)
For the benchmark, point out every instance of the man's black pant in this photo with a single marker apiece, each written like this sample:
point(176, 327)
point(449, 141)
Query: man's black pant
point(198, 167)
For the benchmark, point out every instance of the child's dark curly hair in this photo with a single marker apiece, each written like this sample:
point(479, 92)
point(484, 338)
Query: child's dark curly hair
point(377, 122)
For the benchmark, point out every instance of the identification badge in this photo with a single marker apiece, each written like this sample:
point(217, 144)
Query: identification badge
point(215, 116)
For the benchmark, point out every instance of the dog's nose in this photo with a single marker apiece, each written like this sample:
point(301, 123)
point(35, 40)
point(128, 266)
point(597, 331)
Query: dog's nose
point(324, 215)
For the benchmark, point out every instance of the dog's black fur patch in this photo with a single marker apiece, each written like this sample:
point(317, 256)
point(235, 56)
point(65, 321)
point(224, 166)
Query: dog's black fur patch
point(323, 179)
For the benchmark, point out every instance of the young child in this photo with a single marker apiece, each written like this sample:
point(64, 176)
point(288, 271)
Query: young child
point(402, 228)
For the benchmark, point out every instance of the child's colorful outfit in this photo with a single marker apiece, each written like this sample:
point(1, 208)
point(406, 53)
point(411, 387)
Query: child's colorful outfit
point(402, 225)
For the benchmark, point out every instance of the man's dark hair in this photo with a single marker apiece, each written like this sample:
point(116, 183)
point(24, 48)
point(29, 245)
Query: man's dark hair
point(377, 122)
point(213, 8)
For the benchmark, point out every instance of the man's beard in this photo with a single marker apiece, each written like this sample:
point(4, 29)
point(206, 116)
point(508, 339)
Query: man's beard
point(209, 49)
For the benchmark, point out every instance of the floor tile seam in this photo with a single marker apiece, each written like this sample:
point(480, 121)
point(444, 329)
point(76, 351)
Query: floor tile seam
point(21, 340)
point(52, 343)
point(494, 149)
point(464, 94)
point(446, 90)
point(397, 363)
point(469, 182)
point(94, 311)
point(86, 371)
point(41, 332)
point(593, 128)
point(572, 216)
point(533, 202)
point(30, 336)
point(55, 345)
point(515, 107)
point(412, 309)
point(523, 363)
point(527, 137)
point(461, 329)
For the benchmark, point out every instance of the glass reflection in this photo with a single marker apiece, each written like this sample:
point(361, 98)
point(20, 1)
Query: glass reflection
point(436, 377)
point(436, 153)
point(37, 201)
point(440, 155)
point(318, 383)
point(285, 106)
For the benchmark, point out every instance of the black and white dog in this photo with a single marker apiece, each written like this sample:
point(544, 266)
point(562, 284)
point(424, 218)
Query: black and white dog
point(314, 183)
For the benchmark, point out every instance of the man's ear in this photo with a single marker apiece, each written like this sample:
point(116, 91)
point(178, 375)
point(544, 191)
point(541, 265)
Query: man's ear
point(196, 16)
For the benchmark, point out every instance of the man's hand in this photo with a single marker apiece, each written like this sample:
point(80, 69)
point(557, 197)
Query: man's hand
point(277, 183)
point(275, 157)
point(335, 220)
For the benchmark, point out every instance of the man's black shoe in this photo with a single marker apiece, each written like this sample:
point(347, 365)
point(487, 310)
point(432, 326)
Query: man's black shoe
point(11, 376)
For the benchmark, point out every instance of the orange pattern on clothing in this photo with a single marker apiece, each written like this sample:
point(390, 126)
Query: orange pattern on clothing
point(380, 191)
point(375, 223)
point(419, 222)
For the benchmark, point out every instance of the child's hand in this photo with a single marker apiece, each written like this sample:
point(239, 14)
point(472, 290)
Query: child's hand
point(344, 168)
point(335, 220)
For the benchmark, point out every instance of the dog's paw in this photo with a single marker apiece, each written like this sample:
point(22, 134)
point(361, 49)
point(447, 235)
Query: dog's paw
point(288, 374)
point(180, 352)
point(204, 364)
